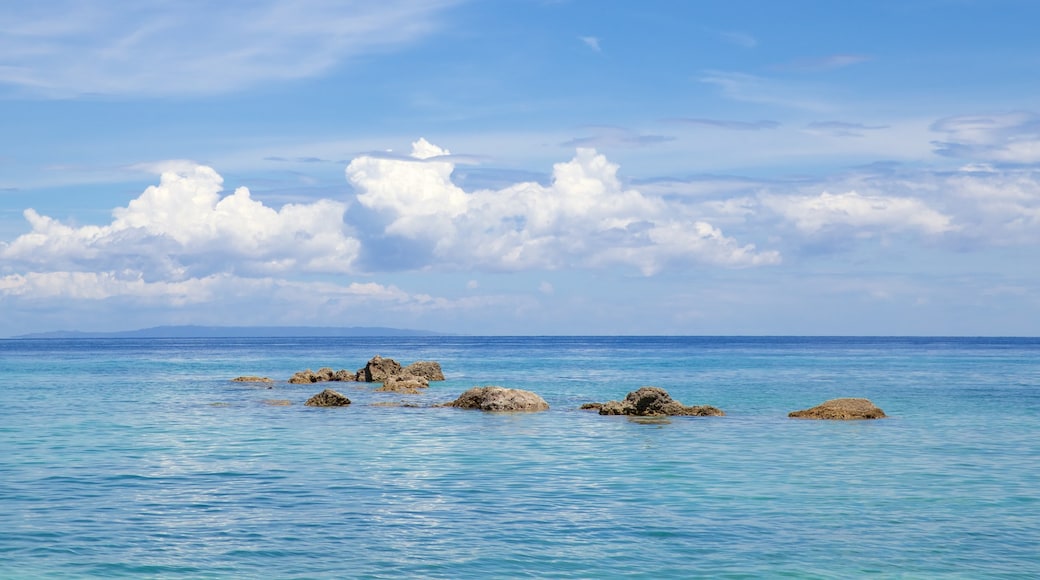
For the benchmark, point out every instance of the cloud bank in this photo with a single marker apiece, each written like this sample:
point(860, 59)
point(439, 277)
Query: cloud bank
point(585, 218)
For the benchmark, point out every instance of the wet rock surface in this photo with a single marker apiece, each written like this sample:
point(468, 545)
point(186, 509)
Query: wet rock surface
point(652, 402)
point(328, 398)
point(499, 399)
point(841, 410)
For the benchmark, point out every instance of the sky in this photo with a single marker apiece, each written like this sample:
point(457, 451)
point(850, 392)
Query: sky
point(527, 167)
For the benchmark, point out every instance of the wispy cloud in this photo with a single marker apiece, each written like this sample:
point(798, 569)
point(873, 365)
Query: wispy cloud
point(1002, 138)
point(756, 89)
point(841, 128)
point(726, 124)
point(608, 136)
point(824, 63)
point(75, 47)
point(741, 39)
point(591, 42)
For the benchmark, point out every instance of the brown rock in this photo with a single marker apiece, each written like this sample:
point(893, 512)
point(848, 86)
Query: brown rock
point(303, 377)
point(500, 399)
point(591, 406)
point(428, 369)
point(841, 410)
point(655, 401)
point(328, 398)
point(378, 369)
point(406, 384)
point(252, 379)
point(277, 402)
point(344, 376)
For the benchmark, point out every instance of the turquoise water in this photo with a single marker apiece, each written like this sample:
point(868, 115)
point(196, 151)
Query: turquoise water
point(139, 458)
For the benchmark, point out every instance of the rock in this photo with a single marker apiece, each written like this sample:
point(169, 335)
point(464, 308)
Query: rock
point(378, 369)
point(328, 398)
point(252, 379)
point(652, 402)
point(303, 377)
point(841, 410)
point(407, 384)
point(428, 369)
point(591, 406)
point(277, 402)
point(345, 376)
point(324, 374)
point(494, 398)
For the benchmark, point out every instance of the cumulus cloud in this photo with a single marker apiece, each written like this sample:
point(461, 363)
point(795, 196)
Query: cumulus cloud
point(812, 214)
point(100, 46)
point(1004, 138)
point(583, 218)
point(182, 228)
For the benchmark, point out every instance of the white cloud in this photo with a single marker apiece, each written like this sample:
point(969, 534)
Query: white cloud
point(811, 214)
point(73, 47)
point(591, 42)
point(182, 228)
point(584, 218)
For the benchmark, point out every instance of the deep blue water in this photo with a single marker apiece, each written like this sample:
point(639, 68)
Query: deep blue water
point(139, 458)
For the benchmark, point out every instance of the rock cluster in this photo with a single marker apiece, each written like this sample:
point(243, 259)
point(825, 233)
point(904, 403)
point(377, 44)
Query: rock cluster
point(841, 410)
point(322, 375)
point(394, 377)
point(328, 398)
point(650, 402)
point(499, 399)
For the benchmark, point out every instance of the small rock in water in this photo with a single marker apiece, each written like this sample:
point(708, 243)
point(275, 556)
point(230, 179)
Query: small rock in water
point(500, 399)
point(841, 410)
point(652, 402)
point(252, 379)
point(328, 398)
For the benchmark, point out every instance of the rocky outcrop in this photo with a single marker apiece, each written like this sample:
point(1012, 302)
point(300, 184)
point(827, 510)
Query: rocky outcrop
point(841, 410)
point(378, 369)
point(252, 379)
point(322, 375)
point(651, 402)
point(328, 398)
point(407, 384)
point(427, 369)
point(499, 399)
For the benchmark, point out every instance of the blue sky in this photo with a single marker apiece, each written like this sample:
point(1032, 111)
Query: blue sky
point(522, 167)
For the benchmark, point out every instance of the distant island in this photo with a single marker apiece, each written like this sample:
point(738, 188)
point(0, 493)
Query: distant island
point(236, 332)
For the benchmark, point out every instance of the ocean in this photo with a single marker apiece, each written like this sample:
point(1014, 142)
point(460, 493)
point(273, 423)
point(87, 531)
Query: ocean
point(140, 458)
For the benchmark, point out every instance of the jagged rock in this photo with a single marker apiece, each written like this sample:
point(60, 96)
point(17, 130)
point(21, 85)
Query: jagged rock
point(428, 369)
point(252, 379)
point(407, 384)
point(654, 401)
point(841, 410)
point(591, 406)
point(303, 377)
point(328, 398)
point(378, 369)
point(324, 374)
point(344, 376)
point(494, 398)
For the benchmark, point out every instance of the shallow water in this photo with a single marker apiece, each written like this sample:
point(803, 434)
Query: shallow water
point(139, 458)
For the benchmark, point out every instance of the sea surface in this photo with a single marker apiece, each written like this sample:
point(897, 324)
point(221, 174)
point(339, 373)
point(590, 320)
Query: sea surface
point(139, 458)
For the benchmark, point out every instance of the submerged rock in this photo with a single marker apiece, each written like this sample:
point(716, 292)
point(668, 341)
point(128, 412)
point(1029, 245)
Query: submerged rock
point(652, 402)
point(328, 398)
point(499, 399)
point(841, 410)
point(277, 402)
point(427, 369)
point(406, 384)
point(378, 369)
point(251, 378)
